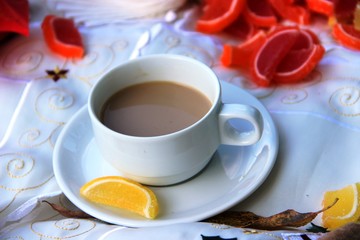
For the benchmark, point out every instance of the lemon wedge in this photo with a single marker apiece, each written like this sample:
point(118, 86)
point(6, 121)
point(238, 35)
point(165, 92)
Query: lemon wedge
point(120, 192)
point(347, 208)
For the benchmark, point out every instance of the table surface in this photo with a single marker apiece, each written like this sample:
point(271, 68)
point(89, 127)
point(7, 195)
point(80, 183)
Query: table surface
point(317, 122)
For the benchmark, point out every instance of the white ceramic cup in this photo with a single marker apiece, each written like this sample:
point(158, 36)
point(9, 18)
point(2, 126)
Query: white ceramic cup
point(174, 157)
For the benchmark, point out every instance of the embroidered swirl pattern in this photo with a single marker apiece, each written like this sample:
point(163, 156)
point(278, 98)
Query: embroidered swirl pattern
point(67, 224)
point(51, 102)
point(69, 228)
point(100, 55)
point(32, 138)
point(120, 45)
point(345, 101)
point(194, 52)
point(294, 96)
point(247, 84)
point(17, 165)
point(176, 46)
point(24, 58)
point(60, 100)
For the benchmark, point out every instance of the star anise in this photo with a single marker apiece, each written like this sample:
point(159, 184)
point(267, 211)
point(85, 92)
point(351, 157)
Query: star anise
point(57, 73)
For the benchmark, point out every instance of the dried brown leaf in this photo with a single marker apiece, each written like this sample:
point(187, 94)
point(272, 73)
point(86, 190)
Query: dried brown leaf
point(288, 218)
point(66, 212)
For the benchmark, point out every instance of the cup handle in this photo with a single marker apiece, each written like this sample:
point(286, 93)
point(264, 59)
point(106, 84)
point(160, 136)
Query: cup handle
point(229, 135)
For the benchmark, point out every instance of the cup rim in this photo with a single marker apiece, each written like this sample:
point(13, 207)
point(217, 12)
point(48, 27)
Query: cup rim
point(215, 103)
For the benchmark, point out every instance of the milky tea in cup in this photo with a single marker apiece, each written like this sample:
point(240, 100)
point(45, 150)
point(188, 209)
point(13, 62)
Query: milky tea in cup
point(159, 119)
point(154, 109)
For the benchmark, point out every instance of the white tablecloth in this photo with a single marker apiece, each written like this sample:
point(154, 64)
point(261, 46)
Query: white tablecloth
point(318, 124)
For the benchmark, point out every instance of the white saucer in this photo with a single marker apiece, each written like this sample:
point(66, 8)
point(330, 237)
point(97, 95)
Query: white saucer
point(232, 175)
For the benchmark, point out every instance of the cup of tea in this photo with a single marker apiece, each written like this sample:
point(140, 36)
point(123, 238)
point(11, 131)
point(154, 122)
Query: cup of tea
point(158, 119)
